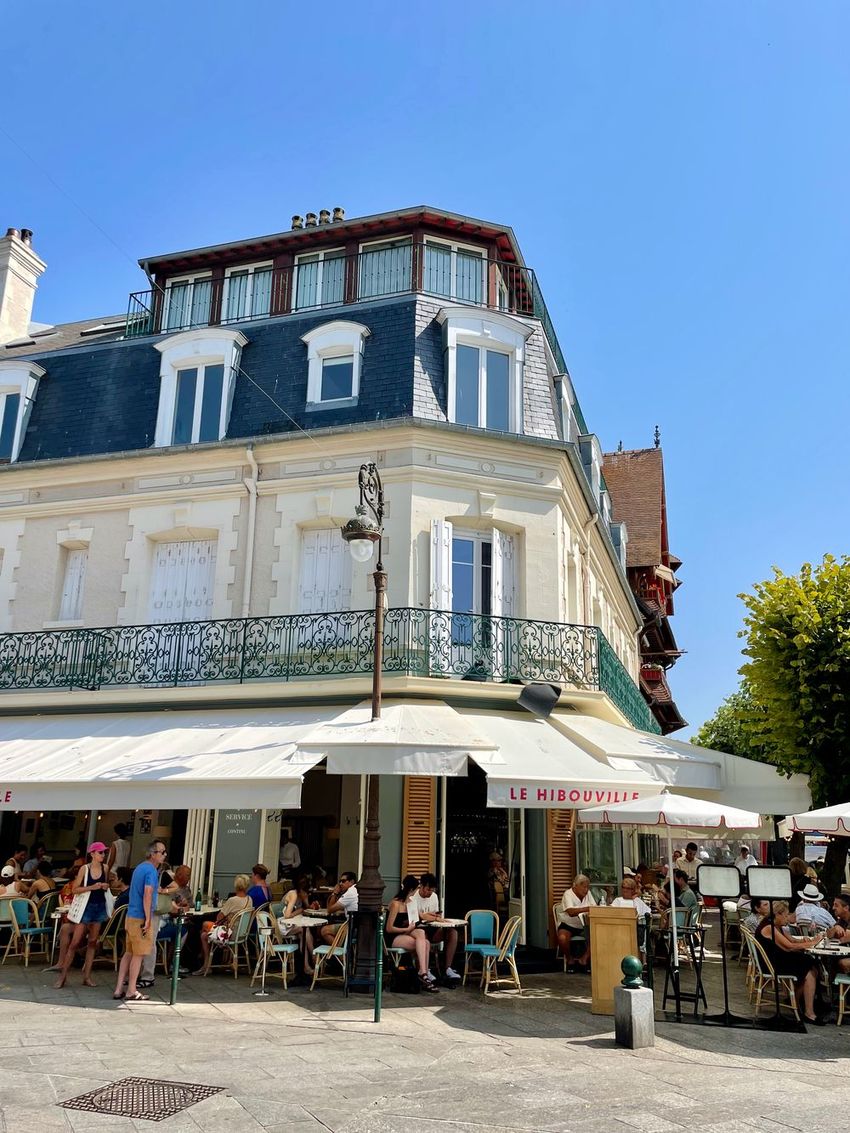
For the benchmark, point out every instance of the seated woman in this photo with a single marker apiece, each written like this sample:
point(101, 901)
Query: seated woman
point(240, 902)
point(295, 901)
point(399, 934)
point(44, 882)
point(784, 953)
point(259, 892)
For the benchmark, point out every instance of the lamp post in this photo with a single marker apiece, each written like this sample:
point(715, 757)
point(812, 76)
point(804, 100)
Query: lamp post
point(362, 534)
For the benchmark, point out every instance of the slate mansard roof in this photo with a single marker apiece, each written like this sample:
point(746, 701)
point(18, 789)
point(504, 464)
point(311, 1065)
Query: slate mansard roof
point(100, 395)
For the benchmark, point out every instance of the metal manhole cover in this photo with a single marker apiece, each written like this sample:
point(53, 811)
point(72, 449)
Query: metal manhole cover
point(149, 1099)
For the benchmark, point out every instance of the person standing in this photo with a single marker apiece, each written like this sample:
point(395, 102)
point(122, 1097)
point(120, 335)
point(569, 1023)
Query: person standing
point(119, 851)
point(16, 861)
point(166, 884)
point(140, 909)
point(92, 881)
point(290, 858)
point(744, 862)
point(690, 863)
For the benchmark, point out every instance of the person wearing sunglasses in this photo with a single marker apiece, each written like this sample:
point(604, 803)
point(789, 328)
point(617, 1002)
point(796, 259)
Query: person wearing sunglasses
point(629, 897)
point(91, 883)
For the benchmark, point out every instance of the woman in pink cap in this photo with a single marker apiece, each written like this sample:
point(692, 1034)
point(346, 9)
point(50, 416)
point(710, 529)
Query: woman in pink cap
point(91, 883)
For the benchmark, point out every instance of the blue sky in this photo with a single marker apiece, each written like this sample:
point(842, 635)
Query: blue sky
point(677, 174)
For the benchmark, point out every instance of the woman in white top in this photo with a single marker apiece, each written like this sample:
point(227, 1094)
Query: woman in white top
point(629, 897)
point(119, 851)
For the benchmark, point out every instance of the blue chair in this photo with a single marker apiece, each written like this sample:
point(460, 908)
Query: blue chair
point(284, 950)
point(503, 952)
point(26, 929)
point(482, 928)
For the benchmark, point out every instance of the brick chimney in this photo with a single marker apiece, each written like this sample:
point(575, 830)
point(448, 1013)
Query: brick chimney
point(20, 269)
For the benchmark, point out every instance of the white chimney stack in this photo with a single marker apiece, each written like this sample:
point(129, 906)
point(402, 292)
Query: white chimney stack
point(20, 270)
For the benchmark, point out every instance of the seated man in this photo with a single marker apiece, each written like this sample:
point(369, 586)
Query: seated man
point(343, 899)
point(685, 896)
point(810, 911)
point(423, 907)
point(758, 911)
point(571, 916)
point(122, 895)
point(629, 897)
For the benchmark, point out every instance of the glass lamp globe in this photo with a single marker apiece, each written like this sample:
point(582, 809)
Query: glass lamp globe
point(361, 549)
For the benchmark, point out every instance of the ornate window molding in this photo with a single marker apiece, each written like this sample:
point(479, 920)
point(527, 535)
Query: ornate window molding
point(18, 389)
point(334, 363)
point(197, 379)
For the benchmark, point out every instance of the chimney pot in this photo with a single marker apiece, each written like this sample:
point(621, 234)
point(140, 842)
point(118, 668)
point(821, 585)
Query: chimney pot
point(339, 214)
point(311, 220)
point(324, 216)
point(12, 232)
point(26, 236)
point(297, 221)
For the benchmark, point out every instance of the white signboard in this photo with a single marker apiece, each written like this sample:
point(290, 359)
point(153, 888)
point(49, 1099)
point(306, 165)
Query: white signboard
point(544, 796)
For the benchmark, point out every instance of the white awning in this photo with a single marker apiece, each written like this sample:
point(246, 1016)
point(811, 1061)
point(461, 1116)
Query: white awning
point(239, 757)
point(731, 779)
point(412, 737)
point(537, 766)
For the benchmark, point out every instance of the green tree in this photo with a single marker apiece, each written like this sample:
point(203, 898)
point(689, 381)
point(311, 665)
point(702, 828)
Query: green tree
point(797, 630)
point(731, 728)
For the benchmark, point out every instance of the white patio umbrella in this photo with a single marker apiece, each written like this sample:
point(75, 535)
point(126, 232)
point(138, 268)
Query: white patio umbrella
point(828, 820)
point(675, 812)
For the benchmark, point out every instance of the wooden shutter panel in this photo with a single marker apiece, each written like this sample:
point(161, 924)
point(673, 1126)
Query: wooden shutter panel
point(561, 857)
point(418, 851)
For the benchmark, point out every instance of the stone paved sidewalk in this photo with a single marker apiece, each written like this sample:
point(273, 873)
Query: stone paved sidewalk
point(304, 1062)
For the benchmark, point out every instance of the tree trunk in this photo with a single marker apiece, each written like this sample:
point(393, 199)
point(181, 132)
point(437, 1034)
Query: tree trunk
point(832, 874)
point(797, 846)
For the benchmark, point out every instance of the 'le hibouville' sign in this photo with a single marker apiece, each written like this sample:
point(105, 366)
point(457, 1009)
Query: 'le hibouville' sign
point(518, 794)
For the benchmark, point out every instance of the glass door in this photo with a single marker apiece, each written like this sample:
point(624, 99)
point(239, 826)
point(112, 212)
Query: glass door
point(516, 866)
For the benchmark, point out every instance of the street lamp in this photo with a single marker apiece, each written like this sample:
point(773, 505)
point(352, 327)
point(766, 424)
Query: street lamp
point(362, 534)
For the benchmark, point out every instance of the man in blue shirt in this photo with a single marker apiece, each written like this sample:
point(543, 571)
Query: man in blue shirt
point(140, 908)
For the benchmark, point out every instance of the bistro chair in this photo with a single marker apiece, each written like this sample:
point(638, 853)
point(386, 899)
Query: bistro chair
point(274, 946)
point(276, 908)
point(842, 982)
point(764, 976)
point(502, 953)
point(112, 936)
point(324, 953)
point(482, 928)
point(47, 905)
point(26, 928)
point(239, 926)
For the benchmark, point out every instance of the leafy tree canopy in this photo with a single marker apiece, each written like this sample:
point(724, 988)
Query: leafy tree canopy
point(797, 676)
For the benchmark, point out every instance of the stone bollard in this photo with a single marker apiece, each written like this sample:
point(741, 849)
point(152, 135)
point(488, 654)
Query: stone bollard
point(634, 1008)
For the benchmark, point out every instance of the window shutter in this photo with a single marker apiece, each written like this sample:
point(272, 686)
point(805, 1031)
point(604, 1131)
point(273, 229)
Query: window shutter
point(71, 606)
point(200, 580)
point(325, 578)
point(502, 576)
point(561, 857)
point(419, 825)
point(182, 581)
point(441, 565)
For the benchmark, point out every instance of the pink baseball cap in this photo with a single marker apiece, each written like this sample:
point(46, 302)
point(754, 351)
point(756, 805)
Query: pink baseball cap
point(97, 846)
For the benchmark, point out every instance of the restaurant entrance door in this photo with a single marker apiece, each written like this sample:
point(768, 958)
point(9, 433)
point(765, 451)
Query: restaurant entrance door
point(473, 831)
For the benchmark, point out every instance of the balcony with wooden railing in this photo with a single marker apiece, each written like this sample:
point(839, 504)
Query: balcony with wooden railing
point(419, 643)
point(313, 283)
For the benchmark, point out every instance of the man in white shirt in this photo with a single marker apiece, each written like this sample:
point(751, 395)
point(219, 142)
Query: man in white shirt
point(423, 907)
point(344, 899)
point(811, 911)
point(629, 898)
point(745, 861)
point(290, 857)
point(690, 863)
point(571, 919)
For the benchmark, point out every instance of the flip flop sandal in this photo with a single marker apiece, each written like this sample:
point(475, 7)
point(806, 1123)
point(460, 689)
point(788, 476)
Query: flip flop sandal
point(137, 998)
point(428, 985)
point(118, 995)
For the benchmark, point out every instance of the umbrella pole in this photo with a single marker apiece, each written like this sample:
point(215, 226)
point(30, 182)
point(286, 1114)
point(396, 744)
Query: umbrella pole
point(675, 944)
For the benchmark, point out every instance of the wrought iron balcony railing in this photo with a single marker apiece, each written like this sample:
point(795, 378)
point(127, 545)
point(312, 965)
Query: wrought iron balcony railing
point(313, 283)
point(425, 643)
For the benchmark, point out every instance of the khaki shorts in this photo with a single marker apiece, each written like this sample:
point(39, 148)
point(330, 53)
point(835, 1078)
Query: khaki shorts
point(138, 945)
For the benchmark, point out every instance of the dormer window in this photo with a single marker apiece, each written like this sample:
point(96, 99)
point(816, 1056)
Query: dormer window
point(484, 366)
point(247, 292)
point(18, 389)
point(188, 302)
point(334, 360)
point(197, 379)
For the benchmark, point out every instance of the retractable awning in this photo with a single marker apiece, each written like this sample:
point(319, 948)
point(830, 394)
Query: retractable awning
point(412, 737)
point(716, 775)
point(226, 758)
point(536, 766)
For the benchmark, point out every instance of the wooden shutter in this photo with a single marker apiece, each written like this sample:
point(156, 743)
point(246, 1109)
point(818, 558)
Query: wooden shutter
point(325, 579)
point(502, 576)
point(441, 565)
point(419, 829)
point(71, 605)
point(182, 581)
point(560, 856)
